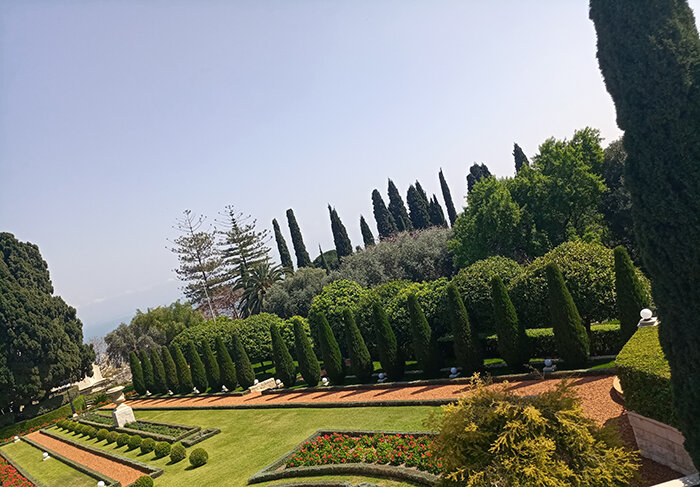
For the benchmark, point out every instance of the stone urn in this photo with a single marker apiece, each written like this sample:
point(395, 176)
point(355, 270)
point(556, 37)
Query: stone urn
point(122, 414)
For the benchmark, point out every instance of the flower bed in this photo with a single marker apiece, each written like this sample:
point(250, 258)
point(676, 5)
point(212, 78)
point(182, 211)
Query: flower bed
point(10, 477)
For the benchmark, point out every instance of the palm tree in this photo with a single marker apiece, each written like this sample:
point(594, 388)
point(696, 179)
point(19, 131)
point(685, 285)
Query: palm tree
point(255, 282)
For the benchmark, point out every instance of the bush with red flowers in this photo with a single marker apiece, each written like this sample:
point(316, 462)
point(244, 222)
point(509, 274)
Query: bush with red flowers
point(10, 477)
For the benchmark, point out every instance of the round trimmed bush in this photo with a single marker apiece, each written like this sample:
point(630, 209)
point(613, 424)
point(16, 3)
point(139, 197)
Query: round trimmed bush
point(134, 442)
point(144, 481)
point(177, 453)
point(122, 439)
point(91, 431)
point(102, 434)
point(162, 449)
point(147, 445)
point(112, 437)
point(198, 457)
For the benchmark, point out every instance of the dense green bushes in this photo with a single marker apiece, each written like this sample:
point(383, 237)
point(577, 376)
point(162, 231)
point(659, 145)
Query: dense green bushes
point(293, 295)
point(512, 339)
point(360, 360)
point(336, 297)
point(162, 449)
point(285, 370)
point(466, 345)
point(184, 376)
point(199, 375)
point(423, 341)
point(148, 445)
point(227, 369)
point(390, 356)
point(177, 453)
point(134, 442)
point(632, 297)
point(198, 457)
point(137, 374)
point(330, 350)
point(62, 412)
point(144, 481)
point(308, 363)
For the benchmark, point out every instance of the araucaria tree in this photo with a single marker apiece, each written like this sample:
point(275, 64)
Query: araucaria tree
point(199, 375)
point(285, 256)
point(423, 346)
point(330, 350)
point(367, 237)
point(170, 370)
point(285, 370)
point(631, 297)
point(360, 360)
point(184, 376)
point(447, 196)
point(570, 335)
point(466, 346)
point(418, 207)
point(211, 366)
point(476, 173)
point(243, 247)
point(245, 375)
point(398, 209)
point(386, 226)
point(512, 339)
point(519, 157)
point(303, 259)
point(308, 363)
point(159, 382)
point(147, 368)
point(389, 355)
point(437, 217)
point(343, 246)
point(227, 369)
point(137, 374)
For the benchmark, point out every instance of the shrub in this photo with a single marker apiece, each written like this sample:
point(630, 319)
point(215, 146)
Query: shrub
point(198, 457)
point(293, 295)
point(159, 383)
point(144, 481)
point(134, 442)
point(112, 437)
point(308, 363)
point(177, 452)
point(211, 367)
point(330, 350)
point(569, 333)
point(199, 376)
point(360, 361)
point(466, 346)
point(122, 439)
point(137, 374)
point(147, 367)
point(244, 370)
point(512, 339)
point(39, 421)
point(91, 431)
point(424, 347)
point(284, 364)
point(171, 379)
point(631, 295)
point(162, 449)
point(184, 376)
point(389, 355)
point(227, 369)
point(102, 434)
point(147, 445)
point(334, 298)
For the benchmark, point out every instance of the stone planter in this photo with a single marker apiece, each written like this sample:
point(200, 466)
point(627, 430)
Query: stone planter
point(661, 443)
point(691, 481)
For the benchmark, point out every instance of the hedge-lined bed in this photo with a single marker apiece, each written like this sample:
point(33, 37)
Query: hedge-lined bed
point(43, 420)
point(158, 431)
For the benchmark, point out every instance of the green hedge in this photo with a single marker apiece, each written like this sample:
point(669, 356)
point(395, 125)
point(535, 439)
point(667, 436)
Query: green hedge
point(35, 423)
point(645, 376)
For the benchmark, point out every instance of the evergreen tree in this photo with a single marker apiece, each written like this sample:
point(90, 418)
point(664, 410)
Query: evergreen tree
point(227, 370)
point(447, 196)
point(159, 383)
point(630, 295)
point(520, 158)
point(422, 193)
point(360, 361)
point(285, 256)
point(570, 335)
point(170, 370)
point(389, 354)
point(308, 363)
point(199, 375)
point(343, 247)
point(303, 259)
point(285, 370)
point(512, 339)
point(147, 368)
point(466, 344)
point(437, 217)
point(418, 208)
point(476, 173)
point(245, 374)
point(324, 261)
point(184, 376)
point(242, 246)
point(137, 374)
point(330, 350)
point(386, 226)
point(398, 209)
point(423, 346)
point(367, 236)
point(211, 366)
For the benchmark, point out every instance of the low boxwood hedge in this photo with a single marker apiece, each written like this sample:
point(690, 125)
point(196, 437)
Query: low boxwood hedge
point(36, 423)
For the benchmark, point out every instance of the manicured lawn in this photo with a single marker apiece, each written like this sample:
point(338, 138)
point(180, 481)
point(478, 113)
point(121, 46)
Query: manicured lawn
point(252, 439)
point(52, 472)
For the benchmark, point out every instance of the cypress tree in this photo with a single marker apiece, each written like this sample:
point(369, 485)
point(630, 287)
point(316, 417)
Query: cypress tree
point(447, 196)
point(512, 339)
point(418, 209)
point(184, 376)
point(570, 335)
point(199, 375)
point(308, 363)
point(520, 158)
point(343, 247)
point(285, 370)
point(170, 370)
point(389, 355)
point(303, 259)
point(211, 366)
point(159, 383)
point(330, 350)
point(386, 226)
point(360, 361)
point(421, 335)
point(422, 193)
point(367, 236)
point(324, 261)
point(227, 370)
point(465, 344)
point(137, 374)
point(285, 256)
point(398, 209)
point(476, 173)
point(147, 368)
point(245, 375)
point(631, 297)
point(437, 217)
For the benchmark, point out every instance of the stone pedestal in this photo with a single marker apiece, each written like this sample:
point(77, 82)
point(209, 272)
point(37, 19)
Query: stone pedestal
point(264, 385)
point(123, 415)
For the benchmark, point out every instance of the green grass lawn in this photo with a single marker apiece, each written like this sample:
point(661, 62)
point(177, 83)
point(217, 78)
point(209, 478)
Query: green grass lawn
point(52, 472)
point(252, 439)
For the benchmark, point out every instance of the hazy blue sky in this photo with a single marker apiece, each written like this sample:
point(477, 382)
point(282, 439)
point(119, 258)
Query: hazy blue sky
point(117, 116)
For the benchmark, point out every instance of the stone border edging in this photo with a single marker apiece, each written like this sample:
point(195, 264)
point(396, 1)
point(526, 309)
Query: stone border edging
point(189, 430)
point(200, 436)
point(137, 397)
point(19, 469)
point(319, 405)
point(689, 481)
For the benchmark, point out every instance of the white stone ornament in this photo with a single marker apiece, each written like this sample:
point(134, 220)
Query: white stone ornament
point(148, 393)
point(224, 388)
point(170, 393)
point(255, 382)
point(324, 381)
point(382, 377)
point(16, 438)
point(454, 373)
point(122, 414)
point(101, 483)
point(45, 457)
point(549, 366)
point(647, 318)
point(195, 390)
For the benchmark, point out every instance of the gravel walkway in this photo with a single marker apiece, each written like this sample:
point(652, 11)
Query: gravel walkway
point(118, 471)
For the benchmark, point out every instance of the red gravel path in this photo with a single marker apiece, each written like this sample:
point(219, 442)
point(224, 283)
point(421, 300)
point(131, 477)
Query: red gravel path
point(118, 471)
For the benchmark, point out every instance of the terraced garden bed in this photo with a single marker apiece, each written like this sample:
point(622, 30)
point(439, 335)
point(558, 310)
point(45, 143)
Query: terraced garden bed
point(169, 432)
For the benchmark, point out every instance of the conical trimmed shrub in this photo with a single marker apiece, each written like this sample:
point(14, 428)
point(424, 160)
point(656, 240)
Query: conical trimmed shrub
point(389, 354)
point(147, 368)
point(330, 350)
point(512, 339)
point(466, 346)
point(631, 296)
point(245, 375)
point(285, 370)
point(570, 335)
point(159, 385)
point(211, 367)
point(226, 368)
point(360, 360)
point(199, 375)
point(137, 374)
point(184, 376)
point(170, 370)
point(308, 363)
point(423, 347)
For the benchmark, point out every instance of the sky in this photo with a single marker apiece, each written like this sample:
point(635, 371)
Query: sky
point(115, 117)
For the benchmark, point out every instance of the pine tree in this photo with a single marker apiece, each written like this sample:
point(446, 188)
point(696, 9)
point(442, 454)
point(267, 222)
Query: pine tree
point(242, 246)
point(512, 339)
point(159, 383)
point(303, 259)
point(389, 354)
point(199, 375)
point(386, 226)
point(367, 236)
point(147, 368)
point(227, 370)
point(421, 335)
point(245, 375)
point(170, 370)
point(285, 256)
point(476, 173)
point(285, 370)
point(570, 335)
point(137, 374)
point(418, 208)
point(330, 350)
point(211, 366)
point(308, 363)
point(447, 196)
point(437, 217)
point(340, 235)
point(520, 158)
point(465, 343)
point(184, 376)
point(398, 209)
point(360, 361)
point(630, 295)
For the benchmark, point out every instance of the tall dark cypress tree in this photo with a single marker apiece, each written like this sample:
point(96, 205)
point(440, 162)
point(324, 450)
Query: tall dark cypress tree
point(324, 261)
point(650, 50)
point(476, 173)
point(245, 374)
point(630, 295)
point(170, 369)
point(199, 375)
point(285, 256)
point(137, 374)
point(418, 208)
point(330, 350)
point(343, 246)
point(422, 193)
point(447, 196)
point(520, 158)
point(308, 363)
point(159, 383)
point(303, 259)
point(465, 342)
point(360, 361)
point(184, 376)
point(211, 366)
point(389, 354)
point(367, 236)
point(227, 369)
point(423, 342)
point(398, 209)
point(386, 226)
point(147, 367)
point(512, 339)
point(437, 217)
point(285, 370)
